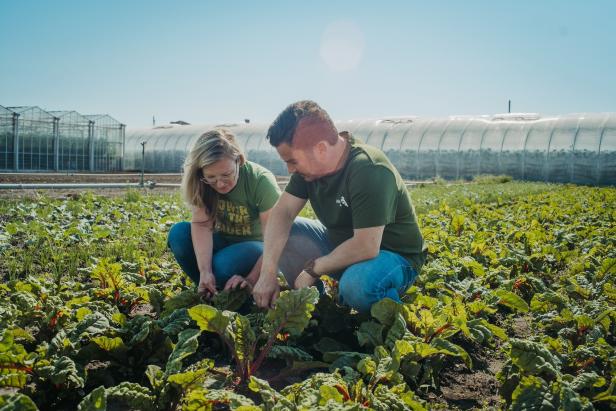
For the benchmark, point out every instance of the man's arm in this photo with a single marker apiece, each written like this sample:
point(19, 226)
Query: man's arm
point(373, 192)
point(275, 238)
point(364, 245)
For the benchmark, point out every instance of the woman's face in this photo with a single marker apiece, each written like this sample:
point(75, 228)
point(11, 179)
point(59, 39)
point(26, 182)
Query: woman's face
point(222, 175)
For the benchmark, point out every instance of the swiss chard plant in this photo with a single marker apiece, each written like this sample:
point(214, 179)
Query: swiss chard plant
point(250, 343)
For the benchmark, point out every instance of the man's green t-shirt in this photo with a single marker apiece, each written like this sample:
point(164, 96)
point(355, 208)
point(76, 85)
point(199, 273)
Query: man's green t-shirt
point(367, 192)
point(237, 212)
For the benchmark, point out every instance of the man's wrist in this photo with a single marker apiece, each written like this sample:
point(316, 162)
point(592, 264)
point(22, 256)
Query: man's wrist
point(309, 268)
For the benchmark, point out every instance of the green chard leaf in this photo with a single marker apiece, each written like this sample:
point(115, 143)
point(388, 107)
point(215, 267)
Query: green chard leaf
point(293, 310)
point(386, 311)
point(16, 402)
point(187, 345)
point(271, 397)
point(241, 335)
point(532, 393)
point(109, 344)
point(231, 300)
point(289, 353)
point(209, 318)
point(132, 395)
point(14, 364)
point(173, 324)
point(370, 333)
point(511, 300)
point(63, 372)
point(96, 400)
point(534, 358)
point(184, 299)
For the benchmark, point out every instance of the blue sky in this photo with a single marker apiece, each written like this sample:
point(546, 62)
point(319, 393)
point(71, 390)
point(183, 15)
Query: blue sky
point(214, 62)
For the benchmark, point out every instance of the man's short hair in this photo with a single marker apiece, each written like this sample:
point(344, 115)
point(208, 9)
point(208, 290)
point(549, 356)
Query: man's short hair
point(283, 128)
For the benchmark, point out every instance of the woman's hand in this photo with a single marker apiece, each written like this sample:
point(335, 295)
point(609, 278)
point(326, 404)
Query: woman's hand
point(207, 285)
point(237, 281)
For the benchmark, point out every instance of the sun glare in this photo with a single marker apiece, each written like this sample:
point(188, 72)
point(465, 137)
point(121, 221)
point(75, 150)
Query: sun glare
point(342, 46)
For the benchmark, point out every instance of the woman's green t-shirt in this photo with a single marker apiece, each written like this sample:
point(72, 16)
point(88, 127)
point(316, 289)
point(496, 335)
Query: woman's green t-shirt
point(237, 212)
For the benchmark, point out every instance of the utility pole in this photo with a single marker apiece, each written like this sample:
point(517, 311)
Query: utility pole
point(509, 106)
point(143, 143)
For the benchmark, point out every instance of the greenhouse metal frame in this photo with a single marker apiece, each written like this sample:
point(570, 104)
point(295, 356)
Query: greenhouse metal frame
point(107, 148)
point(7, 130)
point(32, 139)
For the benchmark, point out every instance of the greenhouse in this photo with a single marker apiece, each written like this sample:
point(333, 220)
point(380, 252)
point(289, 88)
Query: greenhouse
point(576, 148)
point(32, 139)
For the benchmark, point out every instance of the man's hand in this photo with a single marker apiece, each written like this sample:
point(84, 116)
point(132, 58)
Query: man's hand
point(237, 281)
point(304, 280)
point(266, 292)
point(207, 285)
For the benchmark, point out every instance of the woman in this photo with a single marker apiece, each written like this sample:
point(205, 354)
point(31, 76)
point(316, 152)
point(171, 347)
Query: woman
point(231, 199)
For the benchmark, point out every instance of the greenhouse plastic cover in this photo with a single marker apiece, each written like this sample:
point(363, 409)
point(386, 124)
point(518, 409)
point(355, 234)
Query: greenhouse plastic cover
point(579, 148)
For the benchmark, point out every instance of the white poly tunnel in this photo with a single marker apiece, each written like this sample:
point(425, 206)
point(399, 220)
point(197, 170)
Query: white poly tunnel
point(576, 148)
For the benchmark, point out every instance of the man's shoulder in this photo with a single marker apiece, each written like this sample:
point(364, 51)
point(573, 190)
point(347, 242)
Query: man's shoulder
point(369, 167)
point(364, 155)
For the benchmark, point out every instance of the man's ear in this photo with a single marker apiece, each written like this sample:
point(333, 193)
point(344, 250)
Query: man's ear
point(321, 148)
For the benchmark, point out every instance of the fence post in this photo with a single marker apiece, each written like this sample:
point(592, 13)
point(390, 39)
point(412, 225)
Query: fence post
point(16, 141)
point(91, 145)
point(56, 143)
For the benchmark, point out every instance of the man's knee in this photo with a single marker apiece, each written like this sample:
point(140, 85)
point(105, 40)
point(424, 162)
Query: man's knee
point(298, 250)
point(355, 293)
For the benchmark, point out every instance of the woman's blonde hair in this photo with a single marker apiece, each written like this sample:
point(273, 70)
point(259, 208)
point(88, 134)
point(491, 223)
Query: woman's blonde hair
point(209, 148)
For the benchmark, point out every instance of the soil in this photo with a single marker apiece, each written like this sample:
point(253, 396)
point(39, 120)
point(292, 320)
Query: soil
point(521, 327)
point(467, 389)
point(471, 389)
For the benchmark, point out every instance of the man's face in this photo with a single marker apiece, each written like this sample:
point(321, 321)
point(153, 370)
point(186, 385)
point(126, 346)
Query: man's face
point(303, 156)
point(299, 161)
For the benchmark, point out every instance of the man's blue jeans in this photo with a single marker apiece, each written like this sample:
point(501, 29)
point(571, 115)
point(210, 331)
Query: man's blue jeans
point(361, 284)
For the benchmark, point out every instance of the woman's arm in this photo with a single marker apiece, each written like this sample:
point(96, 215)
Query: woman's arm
point(201, 230)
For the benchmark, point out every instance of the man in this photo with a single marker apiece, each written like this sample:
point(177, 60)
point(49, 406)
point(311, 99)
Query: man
point(367, 236)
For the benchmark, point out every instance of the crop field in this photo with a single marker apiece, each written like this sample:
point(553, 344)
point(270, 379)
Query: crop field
point(514, 309)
